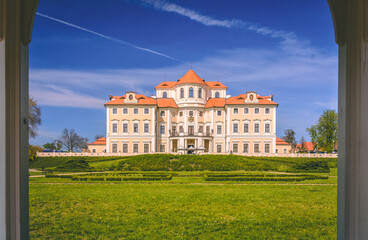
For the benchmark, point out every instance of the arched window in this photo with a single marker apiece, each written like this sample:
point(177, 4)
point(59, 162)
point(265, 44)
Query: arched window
point(182, 93)
point(200, 93)
point(217, 95)
point(164, 95)
point(191, 94)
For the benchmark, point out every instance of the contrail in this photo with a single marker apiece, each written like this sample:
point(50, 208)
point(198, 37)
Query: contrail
point(109, 38)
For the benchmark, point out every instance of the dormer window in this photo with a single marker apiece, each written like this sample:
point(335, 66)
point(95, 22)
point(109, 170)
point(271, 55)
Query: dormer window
point(217, 95)
point(217, 85)
point(164, 95)
point(191, 92)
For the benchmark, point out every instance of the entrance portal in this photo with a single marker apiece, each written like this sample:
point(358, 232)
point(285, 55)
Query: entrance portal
point(191, 146)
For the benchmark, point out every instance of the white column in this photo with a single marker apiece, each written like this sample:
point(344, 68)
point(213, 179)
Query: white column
point(107, 129)
point(153, 127)
point(167, 130)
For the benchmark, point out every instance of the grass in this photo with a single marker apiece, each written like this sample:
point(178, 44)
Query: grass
point(182, 211)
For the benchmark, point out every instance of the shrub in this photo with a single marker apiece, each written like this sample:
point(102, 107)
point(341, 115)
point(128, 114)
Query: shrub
point(74, 165)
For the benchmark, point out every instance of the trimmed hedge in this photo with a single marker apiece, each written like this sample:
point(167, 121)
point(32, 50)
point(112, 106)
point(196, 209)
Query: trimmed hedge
point(261, 177)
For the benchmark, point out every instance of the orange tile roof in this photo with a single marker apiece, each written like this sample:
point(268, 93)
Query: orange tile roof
point(279, 141)
point(216, 84)
point(309, 146)
point(215, 102)
point(241, 98)
point(191, 77)
point(166, 85)
point(166, 102)
point(142, 100)
point(100, 141)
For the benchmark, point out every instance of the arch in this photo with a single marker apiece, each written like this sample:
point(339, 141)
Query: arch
point(164, 95)
point(181, 92)
point(217, 95)
point(191, 92)
point(200, 93)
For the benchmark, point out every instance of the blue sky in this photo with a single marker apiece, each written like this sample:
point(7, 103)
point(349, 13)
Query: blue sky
point(82, 51)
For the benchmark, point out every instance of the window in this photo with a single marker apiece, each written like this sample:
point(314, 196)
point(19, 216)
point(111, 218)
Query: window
point(208, 129)
point(267, 111)
point(200, 113)
point(219, 150)
point(146, 111)
point(114, 148)
point(173, 129)
point(219, 129)
point(236, 110)
point(135, 147)
point(190, 130)
point(181, 129)
point(162, 129)
point(245, 148)
point(246, 110)
point(200, 129)
point(219, 112)
point(256, 111)
point(180, 114)
point(94, 150)
point(235, 147)
point(125, 127)
point(246, 127)
point(267, 127)
point(125, 110)
point(114, 127)
point(267, 148)
point(217, 95)
point(191, 114)
point(135, 127)
point(182, 93)
point(135, 110)
point(235, 127)
point(277, 151)
point(146, 127)
point(125, 148)
point(162, 148)
point(164, 95)
point(146, 148)
point(256, 127)
point(191, 94)
point(200, 93)
point(162, 113)
point(114, 111)
point(285, 151)
point(256, 147)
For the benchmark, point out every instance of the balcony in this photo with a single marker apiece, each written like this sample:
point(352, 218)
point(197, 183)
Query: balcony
point(190, 134)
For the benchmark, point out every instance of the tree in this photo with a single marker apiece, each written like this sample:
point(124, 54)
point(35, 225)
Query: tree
point(53, 146)
point(324, 133)
point(34, 117)
point(302, 141)
point(289, 137)
point(70, 140)
point(32, 152)
point(98, 136)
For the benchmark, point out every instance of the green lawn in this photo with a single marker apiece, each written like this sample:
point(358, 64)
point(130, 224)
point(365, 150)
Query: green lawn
point(181, 211)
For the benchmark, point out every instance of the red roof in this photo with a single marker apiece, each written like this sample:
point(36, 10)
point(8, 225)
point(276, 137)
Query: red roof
point(191, 77)
point(100, 141)
point(142, 100)
point(166, 85)
point(279, 141)
point(241, 100)
point(166, 102)
point(308, 146)
point(215, 102)
point(216, 85)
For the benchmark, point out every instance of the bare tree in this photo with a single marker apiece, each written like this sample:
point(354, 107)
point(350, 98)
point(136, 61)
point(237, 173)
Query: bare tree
point(289, 137)
point(34, 117)
point(98, 136)
point(72, 141)
point(302, 141)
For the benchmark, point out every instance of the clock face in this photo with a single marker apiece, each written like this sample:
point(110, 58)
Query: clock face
point(251, 97)
point(130, 97)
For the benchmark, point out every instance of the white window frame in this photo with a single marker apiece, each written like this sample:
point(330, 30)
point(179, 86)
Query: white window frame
point(145, 111)
point(256, 110)
point(269, 110)
point(114, 111)
point(246, 110)
point(135, 112)
point(237, 110)
point(125, 111)
point(219, 111)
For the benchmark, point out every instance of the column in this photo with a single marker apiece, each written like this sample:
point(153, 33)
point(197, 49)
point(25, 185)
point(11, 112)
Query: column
point(351, 32)
point(16, 18)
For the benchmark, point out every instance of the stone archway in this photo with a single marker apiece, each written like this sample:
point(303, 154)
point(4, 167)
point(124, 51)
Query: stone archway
point(351, 30)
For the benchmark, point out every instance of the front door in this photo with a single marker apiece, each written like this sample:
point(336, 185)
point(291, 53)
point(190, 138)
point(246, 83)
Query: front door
point(206, 145)
point(190, 146)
